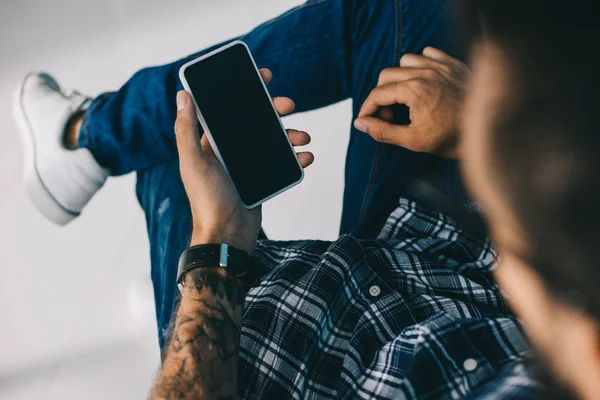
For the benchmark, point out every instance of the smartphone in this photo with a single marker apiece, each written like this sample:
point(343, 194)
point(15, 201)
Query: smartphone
point(243, 127)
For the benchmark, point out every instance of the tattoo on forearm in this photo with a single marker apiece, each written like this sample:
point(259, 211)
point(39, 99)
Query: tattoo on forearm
point(201, 355)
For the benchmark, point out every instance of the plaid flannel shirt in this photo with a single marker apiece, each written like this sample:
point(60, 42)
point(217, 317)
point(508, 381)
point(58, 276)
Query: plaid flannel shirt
point(413, 314)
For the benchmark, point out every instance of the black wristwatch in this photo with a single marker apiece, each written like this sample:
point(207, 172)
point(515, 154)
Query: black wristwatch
point(225, 256)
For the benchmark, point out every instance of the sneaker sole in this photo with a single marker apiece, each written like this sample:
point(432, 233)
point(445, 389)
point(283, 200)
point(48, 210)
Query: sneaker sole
point(39, 195)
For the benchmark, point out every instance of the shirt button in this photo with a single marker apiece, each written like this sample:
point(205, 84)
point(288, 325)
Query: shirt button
point(374, 291)
point(519, 369)
point(470, 365)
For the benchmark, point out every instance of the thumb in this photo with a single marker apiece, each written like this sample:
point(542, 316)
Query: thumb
point(206, 147)
point(186, 131)
point(382, 131)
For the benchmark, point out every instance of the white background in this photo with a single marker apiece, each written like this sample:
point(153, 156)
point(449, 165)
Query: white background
point(76, 308)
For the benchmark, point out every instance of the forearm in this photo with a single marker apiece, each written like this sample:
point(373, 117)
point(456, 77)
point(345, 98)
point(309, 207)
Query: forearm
point(202, 355)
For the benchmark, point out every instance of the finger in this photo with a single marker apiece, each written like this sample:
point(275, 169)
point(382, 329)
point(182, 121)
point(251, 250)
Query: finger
point(298, 138)
point(206, 147)
point(418, 61)
point(306, 158)
point(386, 114)
point(390, 75)
point(266, 75)
point(437, 54)
point(284, 105)
point(447, 68)
point(186, 130)
point(387, 95)
point(383, 131)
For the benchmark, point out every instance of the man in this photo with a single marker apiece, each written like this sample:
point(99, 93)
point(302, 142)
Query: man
point(405, 307)
point(531, 160)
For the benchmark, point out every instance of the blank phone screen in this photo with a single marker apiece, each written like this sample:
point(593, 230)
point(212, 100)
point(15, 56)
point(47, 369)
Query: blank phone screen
point(243, 123)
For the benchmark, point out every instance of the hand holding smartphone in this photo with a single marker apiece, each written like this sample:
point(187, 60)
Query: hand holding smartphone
point(241, 123)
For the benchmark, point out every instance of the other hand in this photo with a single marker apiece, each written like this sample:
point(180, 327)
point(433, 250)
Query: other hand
point(432, 85)
point(217, 211)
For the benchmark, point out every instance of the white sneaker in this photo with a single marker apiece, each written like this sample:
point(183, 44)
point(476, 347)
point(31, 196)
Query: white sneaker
point(59, 181)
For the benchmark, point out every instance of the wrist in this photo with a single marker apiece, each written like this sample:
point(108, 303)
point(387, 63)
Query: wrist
point(202, 237)
point(193, 280)
point(209, 283)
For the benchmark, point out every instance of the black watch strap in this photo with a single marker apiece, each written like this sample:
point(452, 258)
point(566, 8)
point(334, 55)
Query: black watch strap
point(232, 259)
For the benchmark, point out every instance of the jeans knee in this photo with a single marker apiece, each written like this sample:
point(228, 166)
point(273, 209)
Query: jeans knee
point(160, 189)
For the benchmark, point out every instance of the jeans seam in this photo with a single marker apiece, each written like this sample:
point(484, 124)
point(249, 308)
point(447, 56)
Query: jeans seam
point(375, 165)
point(398, 49)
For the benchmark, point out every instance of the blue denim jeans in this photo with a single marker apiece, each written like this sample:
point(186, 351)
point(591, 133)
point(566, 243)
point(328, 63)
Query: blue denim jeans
point(322, 52)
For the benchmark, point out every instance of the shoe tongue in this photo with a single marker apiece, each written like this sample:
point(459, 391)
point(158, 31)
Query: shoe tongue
point(78, 101)
point(71, 92)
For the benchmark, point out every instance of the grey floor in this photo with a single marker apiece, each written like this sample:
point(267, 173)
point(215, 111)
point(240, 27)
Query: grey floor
point(76, 308)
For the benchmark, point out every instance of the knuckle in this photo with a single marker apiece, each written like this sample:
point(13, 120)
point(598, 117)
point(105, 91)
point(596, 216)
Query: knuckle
point(384, 75)
point(373, 132)
point(367, 105)
point(180, 125)
point(430, 74)
point(377, 135)
point(376, 91)
point(415, 85)
point(177, 125)
point(375, 94)
point(386, 72)
point(406, 59)
point(447, 69)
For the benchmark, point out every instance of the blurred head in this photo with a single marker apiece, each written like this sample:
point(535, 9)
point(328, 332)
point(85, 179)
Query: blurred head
point(531, 150)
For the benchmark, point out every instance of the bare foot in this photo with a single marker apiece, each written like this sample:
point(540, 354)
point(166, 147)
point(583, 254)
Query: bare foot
point(72, 131)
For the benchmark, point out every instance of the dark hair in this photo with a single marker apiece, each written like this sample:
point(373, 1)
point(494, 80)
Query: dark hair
point(546, 139)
